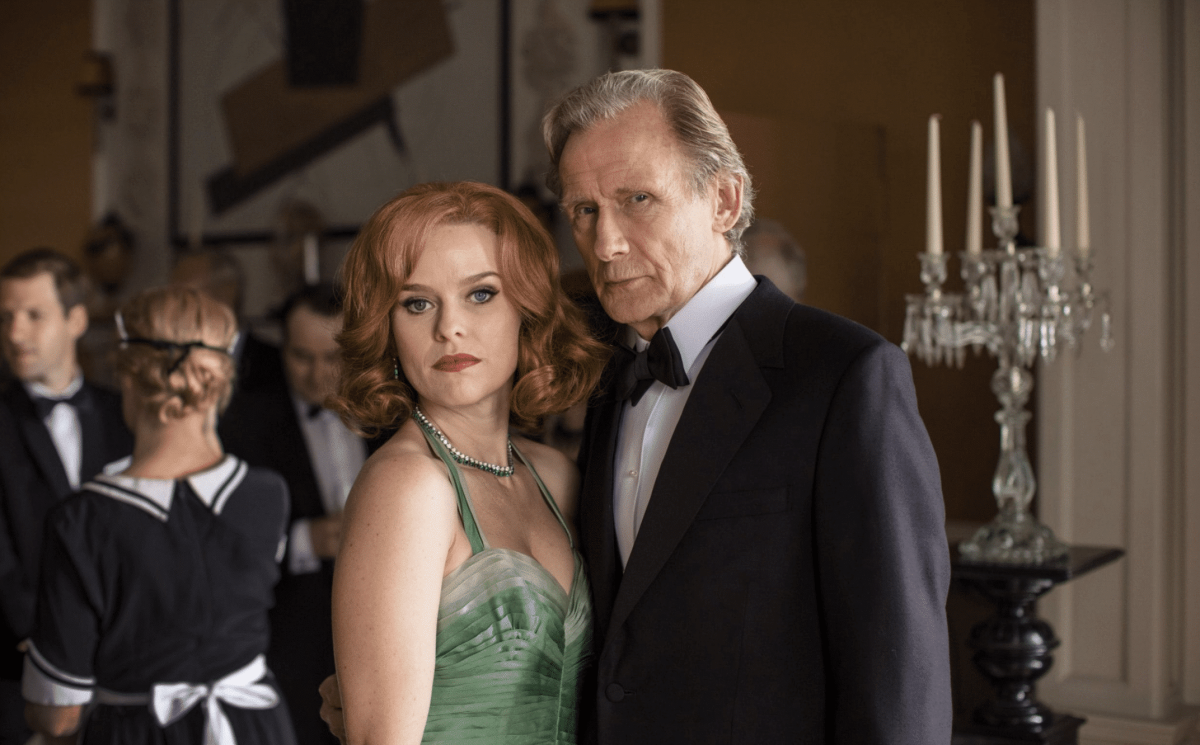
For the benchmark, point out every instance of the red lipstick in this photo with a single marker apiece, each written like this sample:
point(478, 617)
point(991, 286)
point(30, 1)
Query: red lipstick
point(455, 362)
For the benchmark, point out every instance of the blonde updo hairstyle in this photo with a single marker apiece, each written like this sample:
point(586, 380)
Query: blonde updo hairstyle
point(161, 352)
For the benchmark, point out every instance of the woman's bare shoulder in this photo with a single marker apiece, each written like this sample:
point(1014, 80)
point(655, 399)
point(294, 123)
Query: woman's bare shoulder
point(400, 472)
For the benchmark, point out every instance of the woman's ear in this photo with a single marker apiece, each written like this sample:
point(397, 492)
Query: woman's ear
point(171, 410)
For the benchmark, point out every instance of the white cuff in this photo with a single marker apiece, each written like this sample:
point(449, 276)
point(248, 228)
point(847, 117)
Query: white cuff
point(301, 557)
point(43, 683)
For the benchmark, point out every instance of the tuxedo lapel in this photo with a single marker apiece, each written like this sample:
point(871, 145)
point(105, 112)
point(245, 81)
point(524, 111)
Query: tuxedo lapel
point(730, 395)
point(92, 433)
point(597, 532)
point(293, 459)
point(37, 441)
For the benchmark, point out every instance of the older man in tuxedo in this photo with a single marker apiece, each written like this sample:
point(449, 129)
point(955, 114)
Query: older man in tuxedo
point(761, 507)
point(56, 431)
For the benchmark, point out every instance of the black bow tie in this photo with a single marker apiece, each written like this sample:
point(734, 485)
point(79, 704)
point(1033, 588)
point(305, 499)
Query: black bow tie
point(43, 406)
point(660, 361)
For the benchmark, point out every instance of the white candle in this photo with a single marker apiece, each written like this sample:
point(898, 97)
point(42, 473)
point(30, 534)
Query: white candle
point(1003, 174)
point(1053, 237)
point(933, 192)
point(312, 266)
point(1083, 235)
point(975, 192)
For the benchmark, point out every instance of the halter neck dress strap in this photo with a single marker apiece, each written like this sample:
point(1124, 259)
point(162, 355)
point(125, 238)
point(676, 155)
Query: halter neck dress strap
point(465, 510)
point(546, 496)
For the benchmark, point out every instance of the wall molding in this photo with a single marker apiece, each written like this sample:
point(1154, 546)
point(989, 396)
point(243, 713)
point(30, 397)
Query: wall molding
point(1117, 465)
point(1108, 730)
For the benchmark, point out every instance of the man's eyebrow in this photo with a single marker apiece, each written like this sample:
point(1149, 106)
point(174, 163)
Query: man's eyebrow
point(619, 192)
point(567, 202)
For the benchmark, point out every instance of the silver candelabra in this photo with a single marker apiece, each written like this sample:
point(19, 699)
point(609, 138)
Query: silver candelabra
point(1016, 306)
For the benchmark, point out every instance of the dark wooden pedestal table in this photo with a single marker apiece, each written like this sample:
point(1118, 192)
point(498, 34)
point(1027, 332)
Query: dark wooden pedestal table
point(1013, 648)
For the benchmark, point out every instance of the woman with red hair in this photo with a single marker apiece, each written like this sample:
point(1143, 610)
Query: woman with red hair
point(461, 606)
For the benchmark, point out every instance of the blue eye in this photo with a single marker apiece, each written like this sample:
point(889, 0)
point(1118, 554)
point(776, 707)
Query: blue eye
point(416, 305)
point(482, 295)
point(639, 197)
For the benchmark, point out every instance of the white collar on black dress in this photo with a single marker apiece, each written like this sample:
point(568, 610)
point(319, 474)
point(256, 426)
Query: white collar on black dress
point(213, 485)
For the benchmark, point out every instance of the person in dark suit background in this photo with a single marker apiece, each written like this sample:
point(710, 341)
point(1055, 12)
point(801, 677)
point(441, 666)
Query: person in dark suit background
point(287, 429)
point(761, 506)
point(56, 431)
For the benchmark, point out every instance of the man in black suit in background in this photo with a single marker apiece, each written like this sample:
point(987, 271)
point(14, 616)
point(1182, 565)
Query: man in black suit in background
point(761, 507)
point(288, 429)
point(56, 432)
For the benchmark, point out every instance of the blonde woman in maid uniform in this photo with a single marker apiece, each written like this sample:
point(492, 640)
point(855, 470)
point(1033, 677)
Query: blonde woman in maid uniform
point(156, 579)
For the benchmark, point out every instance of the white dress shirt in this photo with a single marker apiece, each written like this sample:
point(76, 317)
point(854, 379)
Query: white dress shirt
point(65, 429)
point(646, 429)
point(337, 454)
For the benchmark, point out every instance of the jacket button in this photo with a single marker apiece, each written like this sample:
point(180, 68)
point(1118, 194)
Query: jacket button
point(614, 692)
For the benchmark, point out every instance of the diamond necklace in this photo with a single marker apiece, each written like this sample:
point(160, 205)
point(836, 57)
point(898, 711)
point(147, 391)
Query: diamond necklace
point(457, 455)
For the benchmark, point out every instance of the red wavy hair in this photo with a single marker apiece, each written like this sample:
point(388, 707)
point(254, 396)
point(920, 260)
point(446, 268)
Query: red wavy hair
point(558, 362)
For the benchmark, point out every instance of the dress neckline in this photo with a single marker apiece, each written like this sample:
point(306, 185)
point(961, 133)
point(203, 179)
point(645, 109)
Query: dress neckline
point(479, 542)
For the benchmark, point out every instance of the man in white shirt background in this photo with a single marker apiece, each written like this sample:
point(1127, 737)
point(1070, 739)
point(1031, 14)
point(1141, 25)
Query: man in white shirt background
point(288, 429)
point(56, 432)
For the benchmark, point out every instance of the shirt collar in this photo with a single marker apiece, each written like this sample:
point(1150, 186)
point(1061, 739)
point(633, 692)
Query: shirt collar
point(303, 408)
point(212, 485)
point(699, 320)
point(37, 390)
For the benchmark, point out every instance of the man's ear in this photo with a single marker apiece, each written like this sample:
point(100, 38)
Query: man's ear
point(77, 321)
point(727, 202)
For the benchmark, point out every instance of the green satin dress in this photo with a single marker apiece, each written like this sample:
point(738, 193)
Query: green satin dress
point(512, 645)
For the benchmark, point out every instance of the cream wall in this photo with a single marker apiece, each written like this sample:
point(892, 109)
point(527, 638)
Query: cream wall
point(1120, 433)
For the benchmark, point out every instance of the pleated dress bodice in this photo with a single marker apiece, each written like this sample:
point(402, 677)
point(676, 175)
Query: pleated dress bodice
point(512, 644)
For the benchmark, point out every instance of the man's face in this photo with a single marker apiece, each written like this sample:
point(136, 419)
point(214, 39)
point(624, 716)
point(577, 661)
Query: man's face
point(38, 335)
point(311, 357)
point(649, 244)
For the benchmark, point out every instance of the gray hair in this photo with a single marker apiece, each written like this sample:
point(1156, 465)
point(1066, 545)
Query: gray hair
point(689, 113)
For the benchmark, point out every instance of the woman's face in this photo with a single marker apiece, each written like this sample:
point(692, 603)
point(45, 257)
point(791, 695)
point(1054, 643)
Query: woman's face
point(455, 329)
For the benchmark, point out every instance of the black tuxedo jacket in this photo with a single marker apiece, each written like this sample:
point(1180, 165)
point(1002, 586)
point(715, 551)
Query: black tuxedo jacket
point(260, 426)
point(32, 480)
point(789, 578)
